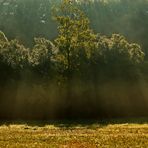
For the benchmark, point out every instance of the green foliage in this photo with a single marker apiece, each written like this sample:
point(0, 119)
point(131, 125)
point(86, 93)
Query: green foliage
point(76, 40)
point(77, 50)
point(41, 52)
point(117, 49)
point(41, 57)
point(26, 19)
point(14, 54)
point(87, 61)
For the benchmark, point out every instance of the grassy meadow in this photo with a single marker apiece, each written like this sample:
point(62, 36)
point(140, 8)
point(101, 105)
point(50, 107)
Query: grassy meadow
point(69, 134)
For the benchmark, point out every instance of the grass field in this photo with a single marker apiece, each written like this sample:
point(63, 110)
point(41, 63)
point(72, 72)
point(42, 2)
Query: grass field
point(114, 133)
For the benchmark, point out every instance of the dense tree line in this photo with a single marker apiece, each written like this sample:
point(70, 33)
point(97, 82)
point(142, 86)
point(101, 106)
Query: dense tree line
point(25, 19)
point(77, 74)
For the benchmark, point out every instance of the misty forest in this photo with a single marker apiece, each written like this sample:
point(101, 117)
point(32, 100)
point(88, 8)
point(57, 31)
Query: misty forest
point(73, 59)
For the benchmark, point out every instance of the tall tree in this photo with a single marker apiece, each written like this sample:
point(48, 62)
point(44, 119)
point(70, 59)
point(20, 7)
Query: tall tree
point(75, 40)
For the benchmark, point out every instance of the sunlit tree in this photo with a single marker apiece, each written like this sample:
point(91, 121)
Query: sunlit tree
point(41, 57)
point(76, 41)
point(115, 56)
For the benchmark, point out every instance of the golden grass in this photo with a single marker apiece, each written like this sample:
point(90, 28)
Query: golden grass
point(74, 136)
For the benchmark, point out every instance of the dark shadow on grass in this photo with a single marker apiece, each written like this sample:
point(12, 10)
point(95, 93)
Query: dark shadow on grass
point(72, 124)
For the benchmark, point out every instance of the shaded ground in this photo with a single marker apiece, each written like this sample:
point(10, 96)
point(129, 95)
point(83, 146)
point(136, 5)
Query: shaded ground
point(105, 133)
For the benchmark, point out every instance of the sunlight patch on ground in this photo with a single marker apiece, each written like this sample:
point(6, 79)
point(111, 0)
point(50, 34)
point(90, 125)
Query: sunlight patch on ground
point(74, 135)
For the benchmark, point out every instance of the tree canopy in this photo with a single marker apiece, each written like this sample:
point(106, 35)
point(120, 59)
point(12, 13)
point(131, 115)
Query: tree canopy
point(76, 69)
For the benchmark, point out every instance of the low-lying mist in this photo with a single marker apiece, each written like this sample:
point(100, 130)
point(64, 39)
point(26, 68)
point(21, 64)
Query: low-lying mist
point(38, 100)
